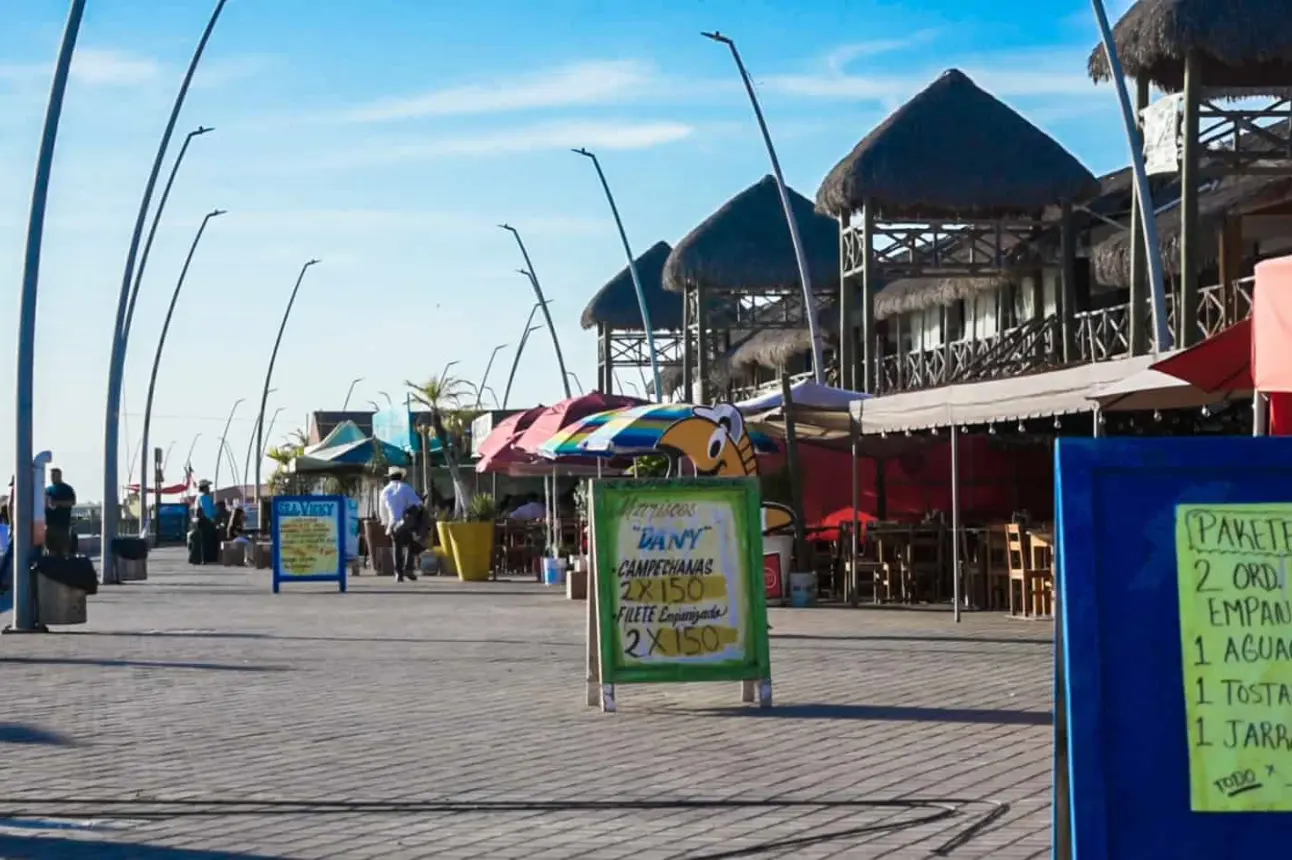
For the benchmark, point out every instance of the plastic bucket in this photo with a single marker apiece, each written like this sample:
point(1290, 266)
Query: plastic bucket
point(802, 589)
point(552, 572)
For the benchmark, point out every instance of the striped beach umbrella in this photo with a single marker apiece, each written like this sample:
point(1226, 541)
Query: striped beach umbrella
point(630, 432)
point(568, 441)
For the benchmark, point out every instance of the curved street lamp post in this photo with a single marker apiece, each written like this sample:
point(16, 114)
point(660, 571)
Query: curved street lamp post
point(152, 379)
point(269, 373)
point(515, 363)
point(488, 367)
point(538, 294)
point(251, 445)
point(350, 391)
point(223, 436)
point(632, 270)
point(809, 300)
point(24, 604)
point(120, 330)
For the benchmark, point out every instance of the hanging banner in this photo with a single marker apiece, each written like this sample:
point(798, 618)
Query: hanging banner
point(679, 583)
point(309, 537)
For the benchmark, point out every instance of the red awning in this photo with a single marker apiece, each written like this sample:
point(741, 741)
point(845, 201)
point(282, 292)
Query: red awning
point(1219, 364)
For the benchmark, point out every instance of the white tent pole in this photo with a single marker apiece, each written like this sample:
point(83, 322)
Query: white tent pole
point(1260, 414)
point(955, 520)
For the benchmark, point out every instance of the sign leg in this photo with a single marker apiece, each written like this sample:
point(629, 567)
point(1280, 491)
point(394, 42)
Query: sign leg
point(747, 691)
point(765, 693)
point(608, 698)
point(592, 675)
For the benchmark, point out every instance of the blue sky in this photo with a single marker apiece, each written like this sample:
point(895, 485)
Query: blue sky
point(389, 137)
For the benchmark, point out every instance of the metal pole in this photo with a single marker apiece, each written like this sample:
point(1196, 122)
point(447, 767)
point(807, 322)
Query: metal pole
point(251, 444)
point(520, 347)
point(444, 374)
point(1152, 253)
point(488, 367)
point(269, 373)
point(1260, 414)
point(571, 374)
point(152, 229)
point(955, 520)
point(161, 343)
point(350, 391)
point(224, 436)
point(120, 331)
point(20, 506)
point(191, 446)
point(809, 300)
point(166, 459)
point(538, 294)
point(632, 270)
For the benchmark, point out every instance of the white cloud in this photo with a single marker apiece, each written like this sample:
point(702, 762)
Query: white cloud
point(587, 83)
point(534, 138)
point(1051, 72)
point(838, 59)
point(113, 68)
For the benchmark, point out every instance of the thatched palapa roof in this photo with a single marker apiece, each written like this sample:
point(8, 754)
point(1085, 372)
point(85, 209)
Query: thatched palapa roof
point(1240, 43)
point(954, 151)
point(615, 305)
point(745, 246)
point(1231, 195)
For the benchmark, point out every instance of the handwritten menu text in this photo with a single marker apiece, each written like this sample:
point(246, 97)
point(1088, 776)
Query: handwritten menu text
point(1236, 629)
point(309, 544)
point(680, 583)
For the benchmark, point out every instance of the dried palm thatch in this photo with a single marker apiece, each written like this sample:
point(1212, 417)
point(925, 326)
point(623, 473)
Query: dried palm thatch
point(1231, 195)
point(615, 305)
point(1240, 43)
point(745, 246)
point(917, 294)
point(720, 373)
point(775, 347)
point(954, 151)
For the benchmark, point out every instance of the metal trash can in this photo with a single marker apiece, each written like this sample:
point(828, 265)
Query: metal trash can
point(62, 585)
point(131, 557)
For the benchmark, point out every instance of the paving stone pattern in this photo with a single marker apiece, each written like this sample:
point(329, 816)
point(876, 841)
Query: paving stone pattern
point(201, 684)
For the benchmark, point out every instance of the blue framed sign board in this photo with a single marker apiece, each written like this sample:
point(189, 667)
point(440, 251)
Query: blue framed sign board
point(1173, 711)
point(309, 540)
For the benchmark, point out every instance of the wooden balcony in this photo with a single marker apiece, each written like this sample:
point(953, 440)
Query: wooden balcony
point(1100, 335)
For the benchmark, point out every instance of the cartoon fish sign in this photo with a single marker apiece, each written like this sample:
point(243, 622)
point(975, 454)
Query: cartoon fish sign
point(715, 440)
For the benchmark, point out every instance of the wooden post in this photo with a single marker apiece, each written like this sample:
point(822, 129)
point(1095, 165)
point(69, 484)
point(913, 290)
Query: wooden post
point(796, 472)
point(688, 357)
point(1230, 265)
point(895, 325)
point(1141, 311)
point(847, 308)
point(1186, 309)
point(1068, 284)
point(867, 374)
point(702, 368)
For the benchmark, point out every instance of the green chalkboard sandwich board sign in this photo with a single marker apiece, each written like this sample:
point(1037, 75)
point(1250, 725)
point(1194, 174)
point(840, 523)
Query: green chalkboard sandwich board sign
point(678, 590)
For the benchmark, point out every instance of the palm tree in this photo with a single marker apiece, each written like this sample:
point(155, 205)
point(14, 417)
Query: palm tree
point(441, 396)
point(282, 457)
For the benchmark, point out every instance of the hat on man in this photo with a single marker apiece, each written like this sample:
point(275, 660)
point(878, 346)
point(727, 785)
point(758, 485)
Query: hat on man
point(395, 472)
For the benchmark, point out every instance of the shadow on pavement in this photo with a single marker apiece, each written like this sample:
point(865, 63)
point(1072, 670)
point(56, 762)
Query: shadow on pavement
point(895, 713)
point(397, 640)
point(35, 847)
point(16, 733)
point(985, 640)
point(135, 664)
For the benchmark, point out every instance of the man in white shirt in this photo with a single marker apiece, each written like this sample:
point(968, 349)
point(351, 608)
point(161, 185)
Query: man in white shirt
point(397, 499)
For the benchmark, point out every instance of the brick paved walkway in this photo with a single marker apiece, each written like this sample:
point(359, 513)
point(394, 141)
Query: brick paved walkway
point(204, 685)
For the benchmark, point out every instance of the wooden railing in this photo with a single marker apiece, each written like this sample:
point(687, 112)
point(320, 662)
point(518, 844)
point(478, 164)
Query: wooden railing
point(1100, 335)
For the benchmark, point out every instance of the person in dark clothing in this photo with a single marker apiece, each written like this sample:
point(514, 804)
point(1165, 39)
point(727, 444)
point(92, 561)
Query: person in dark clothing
point(237, 524)
point(222, 520)
point(60, 498)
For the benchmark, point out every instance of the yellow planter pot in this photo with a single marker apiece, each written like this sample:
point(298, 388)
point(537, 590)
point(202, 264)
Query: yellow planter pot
point(472, 548)
point(445, 549)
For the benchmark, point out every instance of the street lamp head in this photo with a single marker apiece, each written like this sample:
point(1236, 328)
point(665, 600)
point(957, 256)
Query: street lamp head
point(532, 328)
point(312, 263)
point(216, 213)
point(507, 227)
point(201, 129)
point(583, 152)
point(717, 37)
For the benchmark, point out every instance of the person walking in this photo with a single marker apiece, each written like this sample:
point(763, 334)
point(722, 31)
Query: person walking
point(60, 498)
point(397, 499)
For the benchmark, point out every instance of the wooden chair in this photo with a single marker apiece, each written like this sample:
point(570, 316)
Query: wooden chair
point(996, 558)
point(926, 565)
point(1042, 556)
point(1033, 582)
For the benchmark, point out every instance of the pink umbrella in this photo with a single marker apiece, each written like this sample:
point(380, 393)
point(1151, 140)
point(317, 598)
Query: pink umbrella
point(558, 416)
point(507, 432)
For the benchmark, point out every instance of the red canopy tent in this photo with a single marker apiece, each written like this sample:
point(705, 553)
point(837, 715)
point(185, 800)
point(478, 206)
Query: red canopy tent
point(560, 415)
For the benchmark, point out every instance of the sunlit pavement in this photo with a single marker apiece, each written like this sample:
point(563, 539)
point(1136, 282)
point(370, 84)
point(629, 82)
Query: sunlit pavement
point(202, 685)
